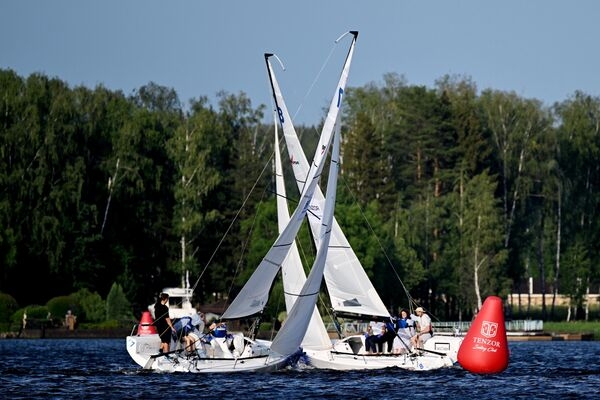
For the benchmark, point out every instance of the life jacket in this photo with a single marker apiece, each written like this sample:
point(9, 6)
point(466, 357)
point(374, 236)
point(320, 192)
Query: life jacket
point(389, 326)
point(220, 331)
point(183, 326)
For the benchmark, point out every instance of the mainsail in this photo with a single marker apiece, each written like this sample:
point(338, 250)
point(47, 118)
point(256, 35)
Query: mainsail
point(348, 285)
point(293, 331)
point(254, 295)
point(292, 272)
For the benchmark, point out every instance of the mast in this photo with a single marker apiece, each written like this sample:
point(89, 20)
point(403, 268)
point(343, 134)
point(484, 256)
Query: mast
point(349, 287)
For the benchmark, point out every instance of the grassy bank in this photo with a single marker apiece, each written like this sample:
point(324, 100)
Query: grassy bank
point(574, 327)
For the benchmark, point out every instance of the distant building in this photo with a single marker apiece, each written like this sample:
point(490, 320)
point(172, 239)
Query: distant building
point(532, 291)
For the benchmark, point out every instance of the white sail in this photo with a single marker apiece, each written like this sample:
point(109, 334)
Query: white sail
point(292, 271)
point(348, 285)
point(290, 336)
point(293, 331)
point(255, 293)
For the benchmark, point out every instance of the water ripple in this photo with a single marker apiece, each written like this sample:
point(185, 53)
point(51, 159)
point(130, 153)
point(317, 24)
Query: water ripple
point(101, 369)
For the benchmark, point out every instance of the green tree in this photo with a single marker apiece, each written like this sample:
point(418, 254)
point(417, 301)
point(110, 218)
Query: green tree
point(42, 171)
point(100, 114)
point(483, 256)
point(577, 276)
point(59, 305)
point(140, 216)
point(117, 305)
point(92, 305)
point(578, 155)
point(517, 128)
point(192, 150)
point(242, 156)
point(8, 305)
point(366, 168)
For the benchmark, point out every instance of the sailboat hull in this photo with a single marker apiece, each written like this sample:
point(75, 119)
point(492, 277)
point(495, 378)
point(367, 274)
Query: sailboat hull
point(253, 357)
point(325, 359)
point(349, 354)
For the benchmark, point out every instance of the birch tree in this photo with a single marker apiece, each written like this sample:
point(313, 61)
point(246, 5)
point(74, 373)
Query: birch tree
point(484, 255)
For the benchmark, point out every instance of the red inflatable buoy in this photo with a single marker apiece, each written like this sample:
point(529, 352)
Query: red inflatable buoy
point(485, 349)
point(146, 327)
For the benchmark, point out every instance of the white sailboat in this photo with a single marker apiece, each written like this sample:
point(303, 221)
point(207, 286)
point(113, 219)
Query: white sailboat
point(247, 354)
point(350, 290)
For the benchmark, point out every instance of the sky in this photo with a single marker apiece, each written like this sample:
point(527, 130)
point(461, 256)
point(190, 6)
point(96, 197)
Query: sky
point(542, 49)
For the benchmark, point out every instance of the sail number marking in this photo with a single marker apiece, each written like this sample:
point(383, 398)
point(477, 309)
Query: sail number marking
point(340, 93)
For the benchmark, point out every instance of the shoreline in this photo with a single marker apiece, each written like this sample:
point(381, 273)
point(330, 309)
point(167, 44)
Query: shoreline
point(122, 333)
point(67, 334)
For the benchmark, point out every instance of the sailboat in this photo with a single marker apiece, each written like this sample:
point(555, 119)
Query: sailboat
point(246, 354)
point(350, 290)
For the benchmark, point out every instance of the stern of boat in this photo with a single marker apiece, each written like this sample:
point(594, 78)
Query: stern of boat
point(140, 348)
point(448, 345)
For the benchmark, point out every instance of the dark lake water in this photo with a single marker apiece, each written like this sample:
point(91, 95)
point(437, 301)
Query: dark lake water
point(102, 369)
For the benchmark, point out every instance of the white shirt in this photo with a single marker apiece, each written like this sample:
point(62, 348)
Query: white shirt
point(424, 322)
point(376, 327)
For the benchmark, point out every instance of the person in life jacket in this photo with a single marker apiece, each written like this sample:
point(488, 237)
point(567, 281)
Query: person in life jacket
point(187, 330)
point(218, 336)
point(218, 329)
point(405, 329)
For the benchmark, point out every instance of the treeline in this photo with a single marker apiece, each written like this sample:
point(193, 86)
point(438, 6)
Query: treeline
point(468, 194)
point(98, 187)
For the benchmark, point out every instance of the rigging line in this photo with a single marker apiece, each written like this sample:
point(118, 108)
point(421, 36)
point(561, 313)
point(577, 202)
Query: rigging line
point(317, 77)
point(377, 238)
point(232, 222)
point(245, 244)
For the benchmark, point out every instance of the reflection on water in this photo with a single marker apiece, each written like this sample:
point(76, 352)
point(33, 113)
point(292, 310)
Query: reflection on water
point(102, 369)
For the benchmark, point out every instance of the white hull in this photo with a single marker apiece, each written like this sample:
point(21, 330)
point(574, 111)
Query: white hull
point(349, 354)
point(254, 357)
point(445, 344)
